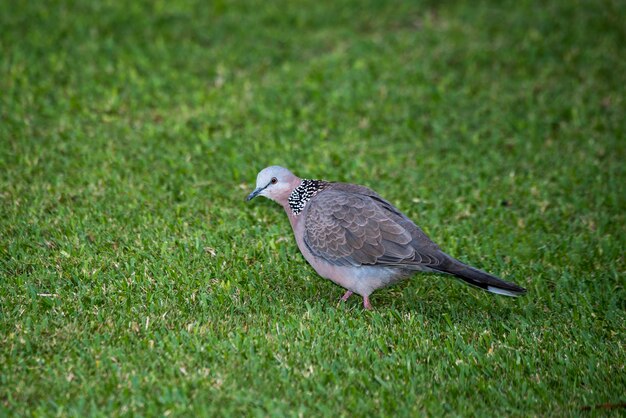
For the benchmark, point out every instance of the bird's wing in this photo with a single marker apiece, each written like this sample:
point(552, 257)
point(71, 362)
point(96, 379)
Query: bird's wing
point(349, 228)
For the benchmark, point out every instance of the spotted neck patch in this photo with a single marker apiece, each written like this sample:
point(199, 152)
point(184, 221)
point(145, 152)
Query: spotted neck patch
point(303, 193)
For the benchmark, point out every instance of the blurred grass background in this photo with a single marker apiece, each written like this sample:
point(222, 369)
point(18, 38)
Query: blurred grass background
point(135, 281)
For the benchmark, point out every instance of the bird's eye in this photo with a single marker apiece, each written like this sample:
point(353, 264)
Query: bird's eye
point(274, 180)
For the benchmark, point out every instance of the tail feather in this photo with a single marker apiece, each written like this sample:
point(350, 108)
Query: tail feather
point(480, 278)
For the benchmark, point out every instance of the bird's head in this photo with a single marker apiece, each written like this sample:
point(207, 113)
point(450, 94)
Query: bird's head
point(276, 183)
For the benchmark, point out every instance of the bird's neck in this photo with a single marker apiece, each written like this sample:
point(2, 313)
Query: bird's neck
point(300, 195)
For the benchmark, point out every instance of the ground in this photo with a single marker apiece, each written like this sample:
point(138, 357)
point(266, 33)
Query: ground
point(136, 281)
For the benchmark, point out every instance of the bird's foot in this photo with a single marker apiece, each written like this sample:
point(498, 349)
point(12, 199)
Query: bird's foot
point(366, 303)
point(346, 295)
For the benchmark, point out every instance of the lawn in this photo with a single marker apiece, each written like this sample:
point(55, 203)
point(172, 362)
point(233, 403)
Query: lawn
point(136, 281)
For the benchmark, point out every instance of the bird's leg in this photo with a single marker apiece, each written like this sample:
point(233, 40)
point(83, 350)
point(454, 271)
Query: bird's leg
point(366, 303)
point(346, 295)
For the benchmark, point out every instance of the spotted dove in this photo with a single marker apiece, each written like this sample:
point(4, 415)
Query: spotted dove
point(360, 241)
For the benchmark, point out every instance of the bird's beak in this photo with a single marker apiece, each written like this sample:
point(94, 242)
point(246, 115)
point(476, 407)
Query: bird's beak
point(254, 194)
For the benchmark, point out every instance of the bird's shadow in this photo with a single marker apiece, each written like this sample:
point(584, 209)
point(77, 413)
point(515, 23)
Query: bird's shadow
point(436, 300)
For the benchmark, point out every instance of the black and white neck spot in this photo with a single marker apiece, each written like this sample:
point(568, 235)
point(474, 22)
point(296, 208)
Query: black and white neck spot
point(303, 193)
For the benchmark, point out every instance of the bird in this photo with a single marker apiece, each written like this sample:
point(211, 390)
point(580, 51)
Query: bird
point(352, 236)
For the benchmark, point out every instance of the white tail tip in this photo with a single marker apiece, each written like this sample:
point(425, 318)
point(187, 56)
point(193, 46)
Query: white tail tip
point(503, 292)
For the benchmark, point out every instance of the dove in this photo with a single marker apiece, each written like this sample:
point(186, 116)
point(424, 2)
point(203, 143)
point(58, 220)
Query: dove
point(358, 240)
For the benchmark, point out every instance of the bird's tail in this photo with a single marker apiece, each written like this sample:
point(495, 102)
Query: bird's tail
point(480, 278)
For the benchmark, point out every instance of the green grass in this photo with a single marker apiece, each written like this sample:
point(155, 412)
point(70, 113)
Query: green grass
point(136, 281)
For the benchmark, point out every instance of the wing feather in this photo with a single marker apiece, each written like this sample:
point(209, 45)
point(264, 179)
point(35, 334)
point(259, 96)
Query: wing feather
point(350, 228)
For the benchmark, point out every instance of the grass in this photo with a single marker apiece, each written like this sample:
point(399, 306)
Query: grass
point(135, 281)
